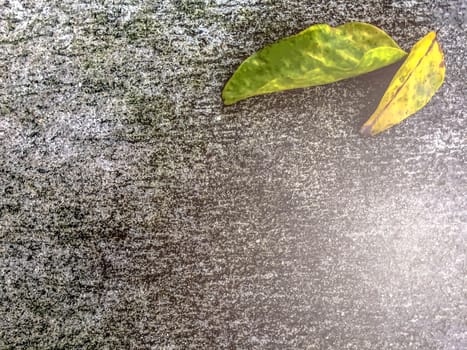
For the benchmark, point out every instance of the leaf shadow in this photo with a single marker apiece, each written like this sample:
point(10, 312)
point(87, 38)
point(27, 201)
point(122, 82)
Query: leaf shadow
point(375, 84)
point(363, 92)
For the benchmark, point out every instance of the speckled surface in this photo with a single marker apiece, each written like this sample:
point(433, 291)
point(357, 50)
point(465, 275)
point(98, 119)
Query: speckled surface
point(137, 212)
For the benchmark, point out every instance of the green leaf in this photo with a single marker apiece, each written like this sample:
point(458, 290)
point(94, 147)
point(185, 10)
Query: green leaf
point(316, 56)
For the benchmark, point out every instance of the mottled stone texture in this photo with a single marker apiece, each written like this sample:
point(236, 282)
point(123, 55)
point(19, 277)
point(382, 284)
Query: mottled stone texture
point(137, 212)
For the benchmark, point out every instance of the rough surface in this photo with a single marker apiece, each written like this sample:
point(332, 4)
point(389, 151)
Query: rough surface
point(137, 212)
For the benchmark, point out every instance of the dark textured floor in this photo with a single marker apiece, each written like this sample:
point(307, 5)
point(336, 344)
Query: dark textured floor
point(137, 212)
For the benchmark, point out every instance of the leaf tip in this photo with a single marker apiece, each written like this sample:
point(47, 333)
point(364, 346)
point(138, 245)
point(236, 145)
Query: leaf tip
point(226, 99)
point(366, 130)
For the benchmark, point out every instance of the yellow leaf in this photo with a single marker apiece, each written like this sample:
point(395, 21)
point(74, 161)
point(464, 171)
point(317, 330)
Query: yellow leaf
point(416, 81)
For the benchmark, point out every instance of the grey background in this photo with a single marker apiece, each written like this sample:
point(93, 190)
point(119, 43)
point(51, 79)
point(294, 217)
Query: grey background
point(137, 212)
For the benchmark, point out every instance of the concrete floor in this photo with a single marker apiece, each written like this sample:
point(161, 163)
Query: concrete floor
point(137, 212)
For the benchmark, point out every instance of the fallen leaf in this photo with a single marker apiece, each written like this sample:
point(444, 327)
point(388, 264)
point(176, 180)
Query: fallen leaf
point(316, 56)
point(414, 84)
